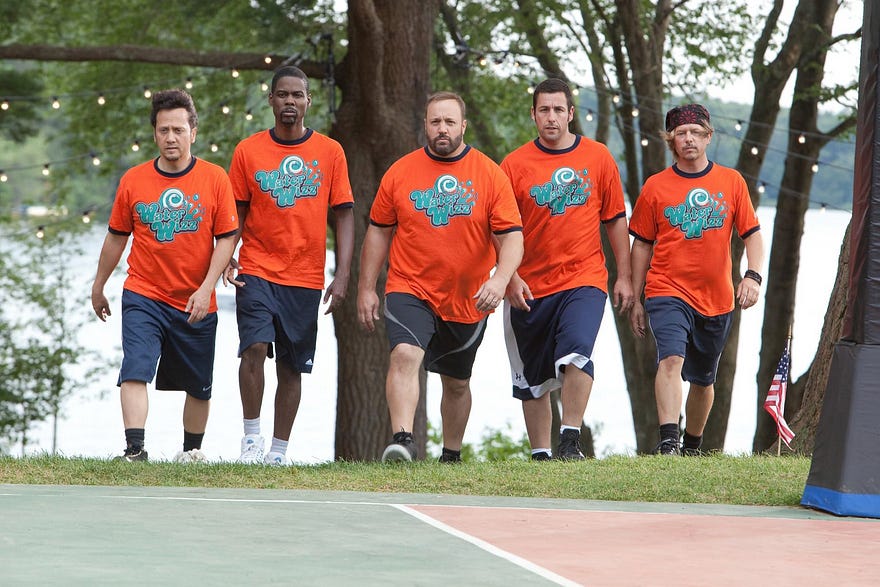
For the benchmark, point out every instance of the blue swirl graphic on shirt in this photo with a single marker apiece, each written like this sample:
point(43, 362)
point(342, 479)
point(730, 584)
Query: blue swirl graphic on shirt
point(448, 197)
point(293, 179)
point(171, 214)
point(701, 211)
point(567, 187)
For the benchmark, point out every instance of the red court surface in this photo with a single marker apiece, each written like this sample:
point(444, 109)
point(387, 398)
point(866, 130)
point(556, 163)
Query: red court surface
point(647, 548)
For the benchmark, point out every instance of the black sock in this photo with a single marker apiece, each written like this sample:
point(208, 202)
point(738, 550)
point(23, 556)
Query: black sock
point(669, 432)
point(134, 439)
point(691, 441)
point(455, 454)
point(192, 440)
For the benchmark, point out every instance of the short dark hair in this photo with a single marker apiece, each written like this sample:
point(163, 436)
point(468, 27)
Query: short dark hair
point(441, 96)
point(553, 86)
point(289, 71)
point(172, 99)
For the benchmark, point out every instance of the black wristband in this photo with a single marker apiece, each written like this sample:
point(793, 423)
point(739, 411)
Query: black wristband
point(753, 275)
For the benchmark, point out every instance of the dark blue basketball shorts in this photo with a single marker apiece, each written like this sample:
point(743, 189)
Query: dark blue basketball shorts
point(450, 347)
point(281, 314)
point(560, 330)
point(681, 331)
point(155, 332)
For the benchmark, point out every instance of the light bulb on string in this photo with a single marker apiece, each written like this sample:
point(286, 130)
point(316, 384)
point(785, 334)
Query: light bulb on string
point(41, 232)
point(615, 98)
point(635, 112)
point(530, 90)
point(754, 150)
point(802, 139)
point(589, 116)
point(576, 91)
point(267, 59)
point(225, 109)
point(248, 115)
point(644, 141)
point(101, 100)
point(4, 105)
point(822, 207)
point(214, 147)
point(147, 92)
point(3, 177)
point(86, 217)
point(235, 73)
point(483, 61)
point(56, 103)
point(136, 146)
point(762, 187)
point(815, 168)
point(738, 126)
point(96, 161)
point(46, 169)
point(264, 86)
point(188, 84)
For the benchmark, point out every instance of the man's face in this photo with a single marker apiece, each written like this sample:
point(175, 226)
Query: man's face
point(690, 141)
point(173, 135)
point(552, 115)
point(290, 100)
point(444, 128)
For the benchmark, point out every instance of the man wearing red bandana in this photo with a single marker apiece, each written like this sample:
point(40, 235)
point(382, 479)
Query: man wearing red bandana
point(682, 225)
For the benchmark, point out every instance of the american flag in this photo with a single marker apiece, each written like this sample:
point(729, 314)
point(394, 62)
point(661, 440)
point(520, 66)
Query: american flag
point(775, 402)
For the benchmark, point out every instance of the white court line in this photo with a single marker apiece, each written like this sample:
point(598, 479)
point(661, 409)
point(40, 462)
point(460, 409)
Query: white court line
point(503, 554)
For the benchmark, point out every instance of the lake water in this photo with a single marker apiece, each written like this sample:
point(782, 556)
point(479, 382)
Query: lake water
point(91, 424)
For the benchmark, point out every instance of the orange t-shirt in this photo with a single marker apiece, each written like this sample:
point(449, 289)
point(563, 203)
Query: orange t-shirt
point(288, 186)
point(444, 211)
point(690, 218)
point(563, 196)
point(173, 219)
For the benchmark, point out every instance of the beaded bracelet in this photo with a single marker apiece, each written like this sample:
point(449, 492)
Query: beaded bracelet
point(753, 275)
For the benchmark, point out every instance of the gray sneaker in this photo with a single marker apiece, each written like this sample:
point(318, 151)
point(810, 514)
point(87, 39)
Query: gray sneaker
point(402, 449)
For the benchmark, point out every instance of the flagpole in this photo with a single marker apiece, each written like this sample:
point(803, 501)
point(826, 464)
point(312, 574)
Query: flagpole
point(782, 410)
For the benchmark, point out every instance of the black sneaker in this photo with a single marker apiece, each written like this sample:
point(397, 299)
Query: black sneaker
point(132, 454)
point(687, 451)
point(667, 446)
point(541, 456)
point(402, 449)
point(570, 446)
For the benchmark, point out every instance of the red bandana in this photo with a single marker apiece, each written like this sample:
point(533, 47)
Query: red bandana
point(687, 114)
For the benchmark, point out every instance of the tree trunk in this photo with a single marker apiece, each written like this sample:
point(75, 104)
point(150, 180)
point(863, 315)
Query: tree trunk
point(384, 79)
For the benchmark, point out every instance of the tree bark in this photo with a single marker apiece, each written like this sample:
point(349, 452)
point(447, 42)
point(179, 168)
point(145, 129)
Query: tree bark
point(384, 79)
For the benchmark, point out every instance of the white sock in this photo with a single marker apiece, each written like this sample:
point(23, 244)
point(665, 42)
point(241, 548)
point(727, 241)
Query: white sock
point(563, 428)
point(546, 450)
point(279, 445)
point(252, 426)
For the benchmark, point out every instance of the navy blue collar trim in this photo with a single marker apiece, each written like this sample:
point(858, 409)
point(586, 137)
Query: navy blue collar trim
point(298, 141)
point(189, 167)
point(458, 157)
point(696, 175)
point(577, 141)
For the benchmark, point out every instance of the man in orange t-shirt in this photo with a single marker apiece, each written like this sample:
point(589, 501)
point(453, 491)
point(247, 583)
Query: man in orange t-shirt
point(439, 210)
point(566, 187)
point(682, 225)
point(180, 213)
point(285, 180)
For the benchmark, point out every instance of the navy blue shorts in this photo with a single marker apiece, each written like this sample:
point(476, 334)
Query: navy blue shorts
point(155, 332)
point(282, 314)
point(681, 331)
point(560, 330)
point(450, 347)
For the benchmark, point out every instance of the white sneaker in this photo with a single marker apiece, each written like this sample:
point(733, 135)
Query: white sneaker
point(276, 459)
point(190, 456)
point(251, 449)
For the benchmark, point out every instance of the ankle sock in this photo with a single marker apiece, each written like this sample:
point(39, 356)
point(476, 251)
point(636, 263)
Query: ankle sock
point(669, 432)
point(252, 426)
point(192, 441)
point(279, 445)
point(692, 441)
point(134, 438)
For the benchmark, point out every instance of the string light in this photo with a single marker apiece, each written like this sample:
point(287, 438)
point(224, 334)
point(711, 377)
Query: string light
point(530, 90)
point(754, 150)
point(615, 98)
point(225, 109)
point(589, 116)
point(235, 73)
point(4, 105)
point(802, 139)
point(635, 112)
point(147, 92)
point(264, 86)
point(644, 141)
point(576, 92)
point(248, 115)
point(762, 187)
point(3, 177)
point(483, 61)
point(136, 146)
point(214, 147)
point(40, 232)
point(815, 167)
point(738, 126)
point(188, 84)
point(822, 207)
point(267, 59)
point(96, 161)
point(46, 169)
point(101, 100)
point(86, 217)
point(56, 103)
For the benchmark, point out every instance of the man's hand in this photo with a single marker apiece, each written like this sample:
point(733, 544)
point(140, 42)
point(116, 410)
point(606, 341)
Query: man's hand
point(230, 272)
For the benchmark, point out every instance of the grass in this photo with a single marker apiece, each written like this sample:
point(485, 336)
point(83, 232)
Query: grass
point(716, 479)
